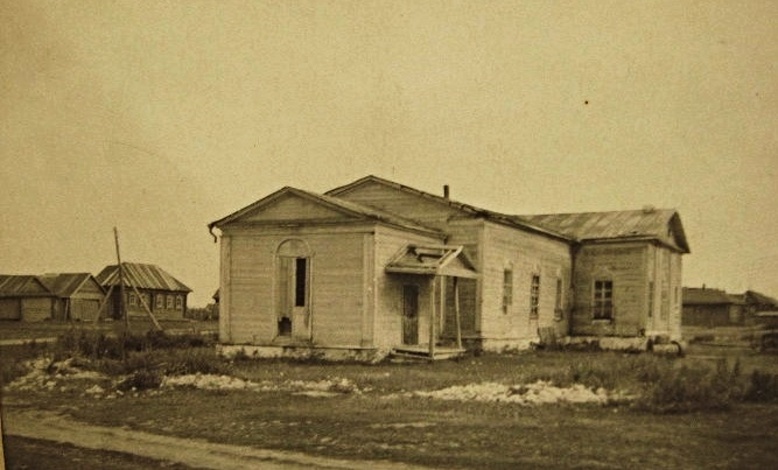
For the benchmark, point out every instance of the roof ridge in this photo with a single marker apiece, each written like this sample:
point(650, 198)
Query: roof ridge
point(469, 208)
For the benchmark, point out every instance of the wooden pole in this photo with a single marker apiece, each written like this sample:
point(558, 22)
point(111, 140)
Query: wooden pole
point(432, 321)
point(146, 307)
point(456, 313)
point(442, 320)
point(105, 301)
point(122, 309)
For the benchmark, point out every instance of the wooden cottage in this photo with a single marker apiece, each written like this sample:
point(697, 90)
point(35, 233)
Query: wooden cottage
point(65, 296)
point(78, 295)
point(144, 284)
point(24, 297)
point(374, 266)
point(706, 307)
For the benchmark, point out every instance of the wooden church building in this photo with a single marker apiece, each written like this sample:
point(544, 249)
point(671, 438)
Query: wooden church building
point(375, 266)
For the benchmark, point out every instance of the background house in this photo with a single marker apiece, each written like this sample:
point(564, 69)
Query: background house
point(24, 297)
point(78, 295)
point(703, 306)
point(375, 264)
point(164, 295)
point(65, 296)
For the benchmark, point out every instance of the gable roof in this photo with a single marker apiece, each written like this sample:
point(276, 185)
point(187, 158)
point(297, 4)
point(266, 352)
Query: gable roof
point(504, 219)
point(348, 208)
point(66, 284)
point(142, 276)
point(663, 225)
point(707, 296)
point(758, 298)
point(22, 285)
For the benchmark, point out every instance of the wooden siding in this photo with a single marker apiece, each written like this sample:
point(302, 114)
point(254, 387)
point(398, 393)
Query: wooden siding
point(10, 309)
point(293, 207)
point(708, 316)
point(410, 206)
point(35, 309)
point(524, 254)
point(84, 309)
point(389, 288)
point(626, 266)
point(336, 300)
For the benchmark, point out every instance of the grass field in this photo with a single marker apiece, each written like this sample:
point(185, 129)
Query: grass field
point(16, 330)
point(378, 416)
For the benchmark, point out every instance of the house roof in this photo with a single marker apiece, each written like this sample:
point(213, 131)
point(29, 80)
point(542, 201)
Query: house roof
point(340, 205)
point(707, 296)
point(760, 299)
point(505, 219)
point(142, 276)
point(663, 225)
point(22, 285)
point(64, 284)
point(444, 260)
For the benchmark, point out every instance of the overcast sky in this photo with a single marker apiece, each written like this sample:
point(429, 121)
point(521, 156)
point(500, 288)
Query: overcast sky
point(160, 117)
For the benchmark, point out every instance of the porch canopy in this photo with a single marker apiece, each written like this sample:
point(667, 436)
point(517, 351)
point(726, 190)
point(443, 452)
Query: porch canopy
point(432, 260)
point(437, 262)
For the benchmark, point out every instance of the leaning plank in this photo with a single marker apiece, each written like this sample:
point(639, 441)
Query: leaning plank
point(146, 307)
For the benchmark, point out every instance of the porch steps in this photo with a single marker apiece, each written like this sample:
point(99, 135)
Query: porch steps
point(421, 353)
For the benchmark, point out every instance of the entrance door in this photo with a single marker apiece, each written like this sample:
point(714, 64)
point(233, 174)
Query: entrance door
point(410, 314)
point(294, 315)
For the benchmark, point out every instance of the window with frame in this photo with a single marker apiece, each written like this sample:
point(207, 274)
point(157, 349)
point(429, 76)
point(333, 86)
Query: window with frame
point(159, 301)
point(558, 311)
point(170, 301)
point(179, 302)
point(507, 289)
point(534, 296)
point(602, 307)
point(133, 300)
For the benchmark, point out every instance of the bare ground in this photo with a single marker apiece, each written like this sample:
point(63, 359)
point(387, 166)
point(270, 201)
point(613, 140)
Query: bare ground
point(195, 453)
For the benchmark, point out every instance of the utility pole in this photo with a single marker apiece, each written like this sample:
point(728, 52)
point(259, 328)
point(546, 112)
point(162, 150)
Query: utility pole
point(122, 308)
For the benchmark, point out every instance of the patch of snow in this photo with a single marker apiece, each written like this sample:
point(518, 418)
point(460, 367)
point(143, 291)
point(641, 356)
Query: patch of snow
point(320, 388)
point(537, 393)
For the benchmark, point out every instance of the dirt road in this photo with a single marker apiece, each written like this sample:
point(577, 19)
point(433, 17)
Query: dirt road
point(191, 452)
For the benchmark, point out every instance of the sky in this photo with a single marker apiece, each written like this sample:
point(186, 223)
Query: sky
point(158, 117)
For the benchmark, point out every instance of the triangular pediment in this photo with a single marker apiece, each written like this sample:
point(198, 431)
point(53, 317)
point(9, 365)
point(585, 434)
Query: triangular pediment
point(292, 205)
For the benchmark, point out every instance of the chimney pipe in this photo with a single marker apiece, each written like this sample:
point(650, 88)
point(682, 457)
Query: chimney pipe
point(445, 191)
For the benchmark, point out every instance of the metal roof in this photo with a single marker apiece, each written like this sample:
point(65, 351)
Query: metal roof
point(142, 276)
point(432, 260)
point(663, 225)
point(505, 219)
point(64, 284)
point(22, 285)
point(707, 296)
